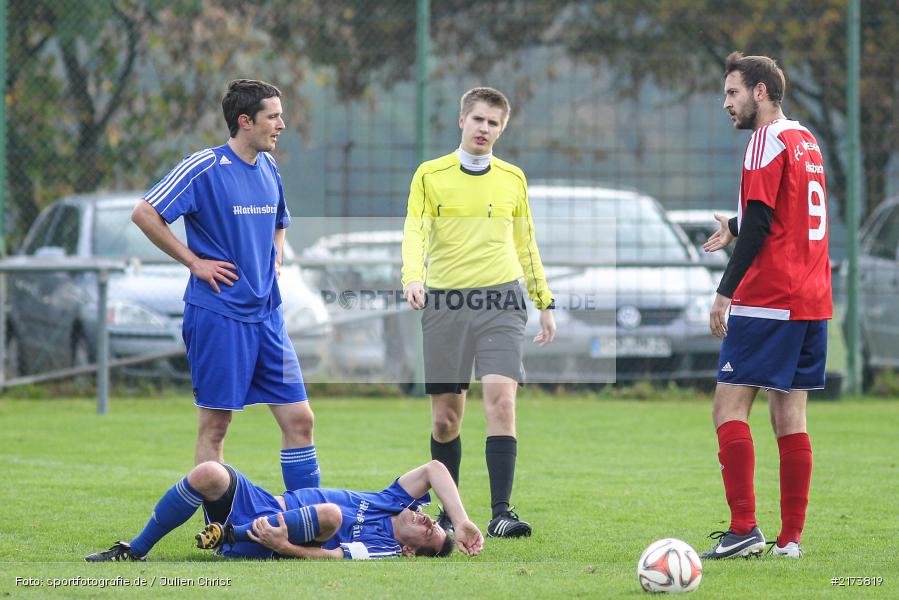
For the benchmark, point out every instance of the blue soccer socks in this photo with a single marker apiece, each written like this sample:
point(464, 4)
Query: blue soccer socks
point(299, 467)
point(302, 526)
point(174, 508)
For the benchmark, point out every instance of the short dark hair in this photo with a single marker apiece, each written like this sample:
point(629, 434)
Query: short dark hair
point(445, 550)
point(244, 97)
point(491, 96)
point(758, 69)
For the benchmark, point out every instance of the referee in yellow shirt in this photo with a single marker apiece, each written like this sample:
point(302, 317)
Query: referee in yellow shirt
point(467, 241)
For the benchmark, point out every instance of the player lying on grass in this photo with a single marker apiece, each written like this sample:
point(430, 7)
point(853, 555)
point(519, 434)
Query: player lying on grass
point(246, 521)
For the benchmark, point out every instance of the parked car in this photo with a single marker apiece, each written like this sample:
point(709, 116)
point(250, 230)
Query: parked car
point(878, 266)
point(633, 297)
point(651, 295)
point(374, 329)
point(52, 316)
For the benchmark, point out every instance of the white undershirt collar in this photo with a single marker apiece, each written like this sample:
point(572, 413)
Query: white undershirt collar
point(474, 162)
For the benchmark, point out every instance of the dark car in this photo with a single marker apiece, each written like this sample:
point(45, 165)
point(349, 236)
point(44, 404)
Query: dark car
point(52, 316)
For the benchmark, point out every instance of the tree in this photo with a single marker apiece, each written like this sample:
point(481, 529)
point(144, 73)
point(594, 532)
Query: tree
point(103, 93)
point(682, 44)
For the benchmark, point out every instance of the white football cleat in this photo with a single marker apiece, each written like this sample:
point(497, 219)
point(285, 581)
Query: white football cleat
point(791, 550)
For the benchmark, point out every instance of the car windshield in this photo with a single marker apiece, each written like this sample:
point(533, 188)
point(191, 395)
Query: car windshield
point(582, 228)
point(116, 237)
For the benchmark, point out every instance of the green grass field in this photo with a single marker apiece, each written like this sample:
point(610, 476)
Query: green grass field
point(599, 478)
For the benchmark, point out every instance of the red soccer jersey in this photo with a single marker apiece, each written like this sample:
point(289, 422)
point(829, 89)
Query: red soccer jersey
point(790, 277)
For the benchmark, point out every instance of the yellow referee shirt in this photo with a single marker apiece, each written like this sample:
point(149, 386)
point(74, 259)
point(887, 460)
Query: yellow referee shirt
point(474, 229)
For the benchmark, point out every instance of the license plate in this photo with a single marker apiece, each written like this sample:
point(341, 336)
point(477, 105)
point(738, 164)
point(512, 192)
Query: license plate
point(622, 346)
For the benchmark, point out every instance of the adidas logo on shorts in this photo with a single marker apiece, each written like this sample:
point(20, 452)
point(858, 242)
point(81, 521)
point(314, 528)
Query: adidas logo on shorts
point(727, 368)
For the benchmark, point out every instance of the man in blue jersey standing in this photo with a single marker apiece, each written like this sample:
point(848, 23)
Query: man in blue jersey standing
point(245, 521)
point(235, 216)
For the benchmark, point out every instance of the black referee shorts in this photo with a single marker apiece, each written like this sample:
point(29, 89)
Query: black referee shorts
point(480, 327)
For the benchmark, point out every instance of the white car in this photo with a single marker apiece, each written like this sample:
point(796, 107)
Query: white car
point(632, 295)
point(633, 298)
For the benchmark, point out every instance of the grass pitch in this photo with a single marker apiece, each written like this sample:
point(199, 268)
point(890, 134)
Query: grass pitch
point(598, 478)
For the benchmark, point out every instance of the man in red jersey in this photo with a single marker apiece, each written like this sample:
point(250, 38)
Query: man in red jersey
point(777, 287)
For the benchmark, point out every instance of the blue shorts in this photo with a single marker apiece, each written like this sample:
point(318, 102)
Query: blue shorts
point(248, 503)
point(778, 355)
point(234, 364)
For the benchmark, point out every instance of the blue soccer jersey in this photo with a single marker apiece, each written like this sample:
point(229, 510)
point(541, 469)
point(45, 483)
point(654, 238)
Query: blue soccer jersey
point(367, 531)
point(231, 210)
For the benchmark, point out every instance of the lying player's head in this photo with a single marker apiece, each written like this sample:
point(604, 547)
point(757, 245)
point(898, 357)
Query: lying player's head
point(244, 97)
point(420, 535)
point(755, 70)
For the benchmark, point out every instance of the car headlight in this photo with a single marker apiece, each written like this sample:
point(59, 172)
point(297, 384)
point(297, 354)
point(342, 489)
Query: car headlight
point(698, 309)
point(131, 314)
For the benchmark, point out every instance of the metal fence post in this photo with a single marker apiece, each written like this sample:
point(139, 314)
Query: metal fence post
point(422, 143)
point(853, 196)
point(3, 331)
point(102, 344)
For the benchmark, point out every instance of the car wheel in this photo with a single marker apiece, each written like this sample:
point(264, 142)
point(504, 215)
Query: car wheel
point(81, 356)
point(868, 372)
point(13, 366)
point(407, 388)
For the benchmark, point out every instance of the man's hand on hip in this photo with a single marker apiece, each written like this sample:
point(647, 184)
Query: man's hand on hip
point(211, 271)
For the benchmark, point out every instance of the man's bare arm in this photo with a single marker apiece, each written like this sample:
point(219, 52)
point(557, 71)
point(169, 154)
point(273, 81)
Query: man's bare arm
point(158, 232)
point(433, 475)
point(280, 237)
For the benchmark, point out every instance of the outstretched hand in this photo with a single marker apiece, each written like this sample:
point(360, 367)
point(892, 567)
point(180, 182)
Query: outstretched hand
point(469, 538)
point(721, 238)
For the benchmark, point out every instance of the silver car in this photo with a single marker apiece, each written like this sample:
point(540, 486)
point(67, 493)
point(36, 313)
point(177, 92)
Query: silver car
point(878, 265)
point(375, 331)
point(633, 298)
point(52, 317)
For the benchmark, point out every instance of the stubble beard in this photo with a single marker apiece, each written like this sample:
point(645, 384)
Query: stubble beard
point(748, 119)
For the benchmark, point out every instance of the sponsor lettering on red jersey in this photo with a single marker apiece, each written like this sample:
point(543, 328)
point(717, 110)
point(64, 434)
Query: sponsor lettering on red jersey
point(790, 277)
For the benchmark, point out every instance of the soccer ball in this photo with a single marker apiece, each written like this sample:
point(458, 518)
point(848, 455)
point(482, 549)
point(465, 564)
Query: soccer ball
point(669, 565)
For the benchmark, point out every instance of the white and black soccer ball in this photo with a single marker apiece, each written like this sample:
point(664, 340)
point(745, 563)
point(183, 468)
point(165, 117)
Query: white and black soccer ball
point(669, 565)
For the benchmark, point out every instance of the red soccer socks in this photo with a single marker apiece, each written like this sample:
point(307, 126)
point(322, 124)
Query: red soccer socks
point(795, 479)
point(737, 457)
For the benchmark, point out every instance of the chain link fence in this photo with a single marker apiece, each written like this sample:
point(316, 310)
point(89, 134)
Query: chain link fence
point(623, 98)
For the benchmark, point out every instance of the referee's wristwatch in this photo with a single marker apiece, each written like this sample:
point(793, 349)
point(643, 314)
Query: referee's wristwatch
point(551, 305)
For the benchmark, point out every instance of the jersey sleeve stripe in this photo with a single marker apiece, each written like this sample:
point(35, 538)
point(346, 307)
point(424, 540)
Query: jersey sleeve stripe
point(170, 181)
point(760, 147)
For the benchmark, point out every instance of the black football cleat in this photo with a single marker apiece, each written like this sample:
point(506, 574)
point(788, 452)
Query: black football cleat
point(119, 551)
point(444, 521)
point(214, 536)
point(731, 545)
point(508, 525)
